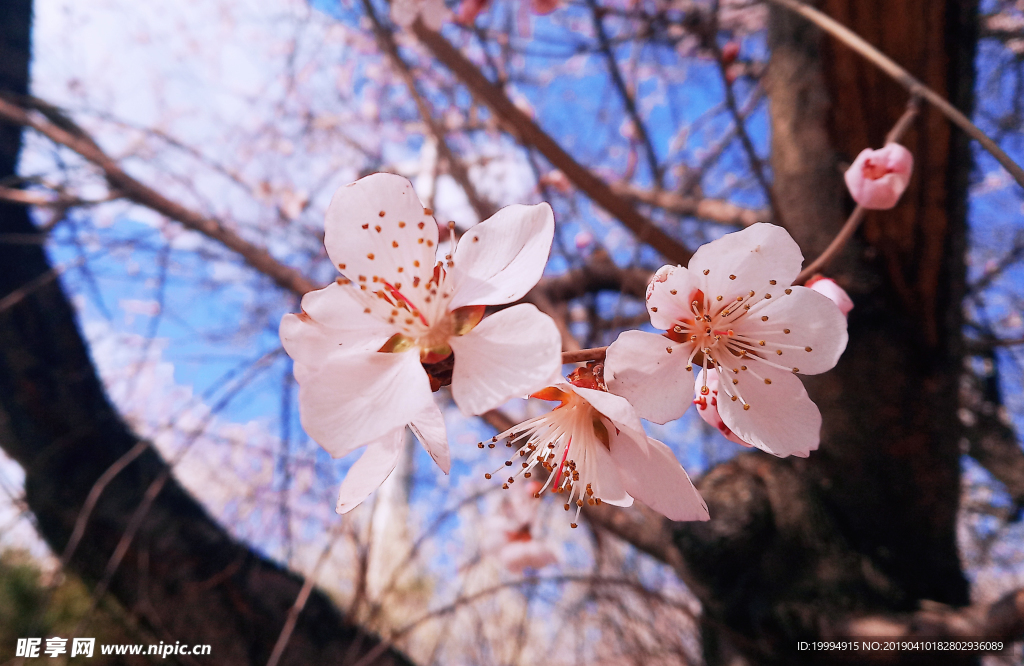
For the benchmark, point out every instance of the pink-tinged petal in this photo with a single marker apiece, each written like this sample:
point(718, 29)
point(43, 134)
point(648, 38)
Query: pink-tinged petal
point(597, 466)
point(351, 399)
point(707, 404)
point(650, 472)
point(371, 470)
point(331, 321)
point(639, 368)
point(756, 255)
point(502, 258)
point(878, 178)
point(781, 419)
point(616, 408)
point(511, 353)
point(428, 426)
point(827, 287)
point(377, 227)
point(817, 333)
point(516, 556)
point(669, 295)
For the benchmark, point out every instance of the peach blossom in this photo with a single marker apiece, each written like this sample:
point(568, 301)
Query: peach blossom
point(877, 178)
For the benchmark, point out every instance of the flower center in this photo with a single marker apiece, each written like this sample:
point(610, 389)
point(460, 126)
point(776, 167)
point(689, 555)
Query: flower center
point(874, 171)
point(732, 336)
point(562, 442)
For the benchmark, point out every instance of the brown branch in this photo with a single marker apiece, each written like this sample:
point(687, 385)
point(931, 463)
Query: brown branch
point(712, 210)
point(597, 16)
point(530, 134)
point(1002, 620)
point(483, 208)
point(257, 257)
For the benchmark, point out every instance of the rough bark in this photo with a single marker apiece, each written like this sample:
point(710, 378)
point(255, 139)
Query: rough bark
point(184, 575)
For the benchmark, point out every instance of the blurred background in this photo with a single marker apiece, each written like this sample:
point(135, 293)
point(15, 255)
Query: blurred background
point(165, 171)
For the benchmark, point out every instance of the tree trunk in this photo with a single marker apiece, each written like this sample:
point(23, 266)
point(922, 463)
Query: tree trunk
point(184, 575)
point(796, 549)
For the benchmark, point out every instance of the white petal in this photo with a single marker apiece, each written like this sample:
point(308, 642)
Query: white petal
point(755, 255)
point(511, 353)
point(781, 420)
point(428, 426)
point(601, 471)
point(351, 399)
point(639, 368)
point(331, 321)
point(501, 259)
point(405, 223)
point(371, 470)
point(651, 474)
point(669, 296)
point(616, 408)
point(814, 322)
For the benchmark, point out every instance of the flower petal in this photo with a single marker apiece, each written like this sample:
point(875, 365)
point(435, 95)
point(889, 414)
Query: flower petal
point(428, 426)
point(519, 555)
point(351, 399)
point(669, 296)
point(817, 333)
point(755, 255)
point(616, 408)
point(639, 367)
point(331, 321)
point(500, 259)
point(511, 353)
point(601, 470)
point(376, 227)
point(651, 474)
point(707, 408)
point(371, 470)
point(781, 420)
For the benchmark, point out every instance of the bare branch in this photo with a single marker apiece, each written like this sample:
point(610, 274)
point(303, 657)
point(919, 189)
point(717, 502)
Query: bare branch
point(712, 210)
point(530, 134)
point(132, 189)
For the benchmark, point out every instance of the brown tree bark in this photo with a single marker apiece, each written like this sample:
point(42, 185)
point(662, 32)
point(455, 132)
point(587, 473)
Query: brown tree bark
point(184, 576)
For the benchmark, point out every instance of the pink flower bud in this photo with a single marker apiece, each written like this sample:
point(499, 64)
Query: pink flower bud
point(707, 404)
point(828, 287)
point(877, 178)
point(544, 6)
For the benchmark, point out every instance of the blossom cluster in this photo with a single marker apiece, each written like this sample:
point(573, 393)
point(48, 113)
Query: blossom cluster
point(409, 316)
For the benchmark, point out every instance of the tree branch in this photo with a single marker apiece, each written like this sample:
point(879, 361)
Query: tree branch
point(530, 134)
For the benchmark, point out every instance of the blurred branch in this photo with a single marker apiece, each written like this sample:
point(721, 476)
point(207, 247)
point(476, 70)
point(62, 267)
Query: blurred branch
point(597, 16)
point(530, 134)
point(484, 209)
point(62, 130)
point(712, 210)
point(1001, 620)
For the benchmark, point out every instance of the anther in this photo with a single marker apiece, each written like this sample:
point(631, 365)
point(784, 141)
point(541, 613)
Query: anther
point(376, 228)
point(767, 381)
point(732, 277)
point(772, 282)
point(370, 256)
point(786, 331)
point(746, 407)
point(706, 271)
point(789, 291)
point(381, 213)
point(808, 349)
point(764, 318)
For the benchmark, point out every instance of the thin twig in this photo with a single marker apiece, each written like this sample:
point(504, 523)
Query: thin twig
point(905, 79)
point(853, 222)
point(593, 354)
point(16, 296)
point(300, 601)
